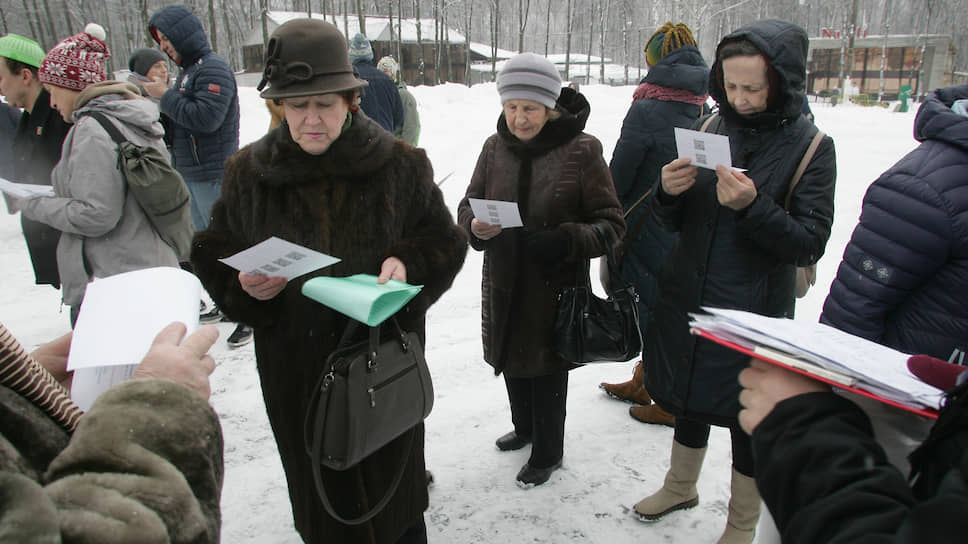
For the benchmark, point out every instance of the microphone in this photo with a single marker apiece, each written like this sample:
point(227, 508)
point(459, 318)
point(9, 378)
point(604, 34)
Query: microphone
point(935, 372)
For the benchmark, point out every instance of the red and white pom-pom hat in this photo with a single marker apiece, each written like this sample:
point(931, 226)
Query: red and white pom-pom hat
point(77, 61)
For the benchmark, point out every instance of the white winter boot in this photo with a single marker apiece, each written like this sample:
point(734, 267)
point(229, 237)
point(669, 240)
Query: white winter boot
point(744, 511)
point(679, 489)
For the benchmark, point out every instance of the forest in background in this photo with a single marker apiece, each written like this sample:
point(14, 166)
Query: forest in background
point(616, 29)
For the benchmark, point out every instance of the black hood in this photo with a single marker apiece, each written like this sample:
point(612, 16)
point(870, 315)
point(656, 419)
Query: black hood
point(937, 121)
point(784, 45)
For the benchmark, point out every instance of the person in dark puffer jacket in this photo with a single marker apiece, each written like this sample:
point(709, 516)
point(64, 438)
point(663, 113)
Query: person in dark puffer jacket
point(671, 95)
point(908, 255)
point(906, 264)
point(739, 246)
point(203, 104)
point(380, 100)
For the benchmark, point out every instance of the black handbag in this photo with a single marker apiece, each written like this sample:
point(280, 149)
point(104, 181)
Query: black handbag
point(370, 393)
point(589, 329)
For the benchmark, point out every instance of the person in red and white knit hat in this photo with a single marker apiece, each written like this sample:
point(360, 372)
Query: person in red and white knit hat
point(104, 231)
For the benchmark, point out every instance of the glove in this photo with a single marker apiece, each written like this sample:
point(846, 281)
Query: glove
point(548, 246)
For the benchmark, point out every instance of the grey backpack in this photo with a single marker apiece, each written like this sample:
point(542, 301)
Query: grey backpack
point(158, 188)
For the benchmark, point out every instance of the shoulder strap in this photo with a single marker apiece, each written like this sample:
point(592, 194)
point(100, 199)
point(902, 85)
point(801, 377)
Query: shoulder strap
point(707, 122)
point(802, 167)
point(108, 126)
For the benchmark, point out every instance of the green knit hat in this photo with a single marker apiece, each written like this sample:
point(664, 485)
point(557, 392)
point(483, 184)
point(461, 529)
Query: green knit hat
point(21, 49)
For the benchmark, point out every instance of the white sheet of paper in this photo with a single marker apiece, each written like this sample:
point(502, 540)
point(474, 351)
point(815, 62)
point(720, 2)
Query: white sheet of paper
point(878, 368)
point(496, 212)
point(119, 320)
point(705, 149)
point(24, 190)
point(276, 257)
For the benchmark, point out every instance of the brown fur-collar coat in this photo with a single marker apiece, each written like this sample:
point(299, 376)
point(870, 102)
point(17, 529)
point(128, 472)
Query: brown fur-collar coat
point(368, 197)
point(570, 189)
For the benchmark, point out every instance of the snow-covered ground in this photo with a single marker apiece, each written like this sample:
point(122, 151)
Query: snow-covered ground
point(610, 460)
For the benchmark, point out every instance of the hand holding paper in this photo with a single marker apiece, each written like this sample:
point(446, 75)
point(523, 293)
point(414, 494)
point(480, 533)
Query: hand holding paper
point(496, 212)
point(276, 257)
point(734, 189)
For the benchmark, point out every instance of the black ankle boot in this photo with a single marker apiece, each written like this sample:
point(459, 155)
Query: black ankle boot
point(512, 441)
point(529, 476)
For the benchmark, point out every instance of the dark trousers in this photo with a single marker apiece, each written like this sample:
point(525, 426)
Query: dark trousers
point(694, 434)
point(538, 411)
point(416, 534)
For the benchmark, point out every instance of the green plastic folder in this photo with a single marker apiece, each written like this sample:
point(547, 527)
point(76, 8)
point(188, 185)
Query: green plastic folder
point(360, 296)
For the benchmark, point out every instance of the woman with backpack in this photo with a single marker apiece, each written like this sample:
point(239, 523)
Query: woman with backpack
point(104, 230)
point(740, 243)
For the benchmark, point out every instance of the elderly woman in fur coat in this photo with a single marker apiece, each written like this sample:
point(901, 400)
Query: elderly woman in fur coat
point(330, 179)
point(541, 159)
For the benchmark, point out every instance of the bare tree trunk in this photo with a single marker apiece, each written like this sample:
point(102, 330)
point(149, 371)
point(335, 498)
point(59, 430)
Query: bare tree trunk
point(362, 17)
point(548, 27)
point(524, 6)
point(591, 40)
point(264, 15)
point(34, 30)
point(495, 10)
point(602, 20)
point(213, 29)
point(3, 21)
point(399, 33)
point(450, 65)
point(467, 43)
point(50, 21)
point(886, 30)
point(233, 51)
point(346, 20)
point(438, 32)
point(420, 56)
point(568, 45)
point(145, 17)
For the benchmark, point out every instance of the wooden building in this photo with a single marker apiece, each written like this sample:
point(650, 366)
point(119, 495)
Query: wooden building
point(923, 62)
point(418, 60)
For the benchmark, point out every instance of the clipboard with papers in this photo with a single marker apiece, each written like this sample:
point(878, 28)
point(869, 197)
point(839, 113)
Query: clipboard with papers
point(823, 353)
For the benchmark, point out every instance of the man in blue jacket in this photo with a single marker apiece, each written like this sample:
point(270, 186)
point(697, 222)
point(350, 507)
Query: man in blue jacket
point(203, 105)
point(381, 100)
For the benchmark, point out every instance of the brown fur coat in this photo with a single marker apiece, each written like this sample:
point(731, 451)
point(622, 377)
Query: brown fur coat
point(366, 198)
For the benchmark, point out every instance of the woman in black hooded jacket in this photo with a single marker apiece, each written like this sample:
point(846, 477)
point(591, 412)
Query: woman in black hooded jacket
point(739, 248)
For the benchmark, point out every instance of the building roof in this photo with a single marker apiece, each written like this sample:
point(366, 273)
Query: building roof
point(377, 28)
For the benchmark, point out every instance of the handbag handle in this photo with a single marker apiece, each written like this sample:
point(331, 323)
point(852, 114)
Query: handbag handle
point(322, 406)
point(614, 275)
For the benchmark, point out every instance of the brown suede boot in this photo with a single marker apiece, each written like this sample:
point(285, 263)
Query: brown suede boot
point(652, 414)
point(631, 391)
point(744, 511)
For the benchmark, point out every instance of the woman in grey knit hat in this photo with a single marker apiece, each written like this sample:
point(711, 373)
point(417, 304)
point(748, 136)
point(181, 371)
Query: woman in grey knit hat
point(540, 159)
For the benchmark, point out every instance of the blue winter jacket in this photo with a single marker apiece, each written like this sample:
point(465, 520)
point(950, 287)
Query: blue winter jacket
point(203, 104)
point(381, 99)
point(904, 276)
point(647, 143)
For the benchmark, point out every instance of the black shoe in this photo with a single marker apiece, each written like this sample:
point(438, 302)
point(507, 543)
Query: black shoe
point(512, 441)
point(212, 316)
point(529, 476)
point(241, 336)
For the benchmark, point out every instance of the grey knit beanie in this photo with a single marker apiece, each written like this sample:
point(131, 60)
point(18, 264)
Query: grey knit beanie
point(360, 49)
point(142, 60)
point(529, 77)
